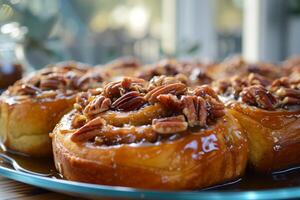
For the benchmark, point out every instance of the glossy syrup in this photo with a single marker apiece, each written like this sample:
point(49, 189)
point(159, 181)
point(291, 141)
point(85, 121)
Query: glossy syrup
point(249, 182)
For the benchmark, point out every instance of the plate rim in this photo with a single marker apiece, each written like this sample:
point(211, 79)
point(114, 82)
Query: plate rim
point(72, 187)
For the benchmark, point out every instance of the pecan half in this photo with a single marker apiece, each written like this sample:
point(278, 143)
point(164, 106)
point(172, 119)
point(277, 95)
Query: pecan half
point(238, 84)
point(195, 110)
point(222, 87)
point(26, 89)
point(170, 101)
point(53, 82)
point(288, 96)
point(204, 91)
point(278, 83)
point(215, 107)
point(257, 95)
point(129, 101)
point(255, 79)
point(98, 105)
point(161, 80)
point(175, 88)
point(170, 125)
point(88, 130)
point(118, 88)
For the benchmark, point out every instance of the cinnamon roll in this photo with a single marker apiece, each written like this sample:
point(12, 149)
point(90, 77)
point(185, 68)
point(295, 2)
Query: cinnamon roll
point(269, 113)
point(30, 108)
point(160, 134)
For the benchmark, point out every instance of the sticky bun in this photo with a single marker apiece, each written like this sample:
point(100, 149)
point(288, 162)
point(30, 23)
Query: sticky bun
point(118, 68)
point(237, 66)
point(30, 109)
point(157, 135)
point(269, 113)
point(191, 72)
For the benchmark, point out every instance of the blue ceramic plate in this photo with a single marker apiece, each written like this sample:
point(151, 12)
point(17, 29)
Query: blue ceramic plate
point(100, 191)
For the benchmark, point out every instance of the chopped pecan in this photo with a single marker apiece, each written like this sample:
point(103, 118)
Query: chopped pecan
point(98, 105)
point(89, 130)
point(170, 125)
point(265, 69)
point(161, 80)
point(238, 84)
point(129, 101)
point(175, 88)
point(170, 101)
point(281, 82)
point(257, 95)
point(288, 96)
point(118, 88)
point(203, 78)
point(222, 86)
point(195, 110)
point(26, 89)
point(78, 120)
point(284, 92)
point(204, 91)
point(216, 108)
point(255, 79)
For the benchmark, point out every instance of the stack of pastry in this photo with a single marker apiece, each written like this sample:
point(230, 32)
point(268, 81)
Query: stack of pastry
point(170, 125)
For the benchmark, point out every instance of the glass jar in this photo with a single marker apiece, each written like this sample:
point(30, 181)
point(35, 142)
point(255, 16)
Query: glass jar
point(13, 63)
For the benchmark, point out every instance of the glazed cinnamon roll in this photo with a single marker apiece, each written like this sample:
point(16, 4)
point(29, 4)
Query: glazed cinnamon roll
point(157, 135)
point(30, 108)
point(118, 68)
point(191, 72)
point(269, 113)
point(237, 66)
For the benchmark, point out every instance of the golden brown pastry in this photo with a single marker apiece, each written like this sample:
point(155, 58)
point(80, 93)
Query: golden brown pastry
point(237, 66)
point(30, 108)
point(269, 113)
point(118, 68)
point(191, 72)
point(157, 135)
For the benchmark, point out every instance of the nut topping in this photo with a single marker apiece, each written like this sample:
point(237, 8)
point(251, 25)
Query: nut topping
point(118, 88)
point(98, 105)
point(170, 105)
point(79, 120)
point(195, 110)
point(63, 78)
point(161, 80)
point(170, 101)
point(257, 95)
point(129, 101)
point(175, 88)
point(52, 82)
point(170, 125)
point(88, 130)
point(26, 89)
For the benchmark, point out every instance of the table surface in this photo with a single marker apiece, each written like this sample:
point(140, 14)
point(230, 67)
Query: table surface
point(12, 190)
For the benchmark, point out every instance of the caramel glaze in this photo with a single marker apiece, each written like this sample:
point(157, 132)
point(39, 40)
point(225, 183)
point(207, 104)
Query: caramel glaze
point(249, 182)
point(274, 136)
point(200, 159)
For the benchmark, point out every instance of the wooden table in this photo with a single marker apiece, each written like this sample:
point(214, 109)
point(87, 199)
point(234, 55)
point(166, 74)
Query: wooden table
point(12, 190)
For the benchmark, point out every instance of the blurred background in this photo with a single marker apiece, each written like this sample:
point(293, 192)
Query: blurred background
point(97, 31)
